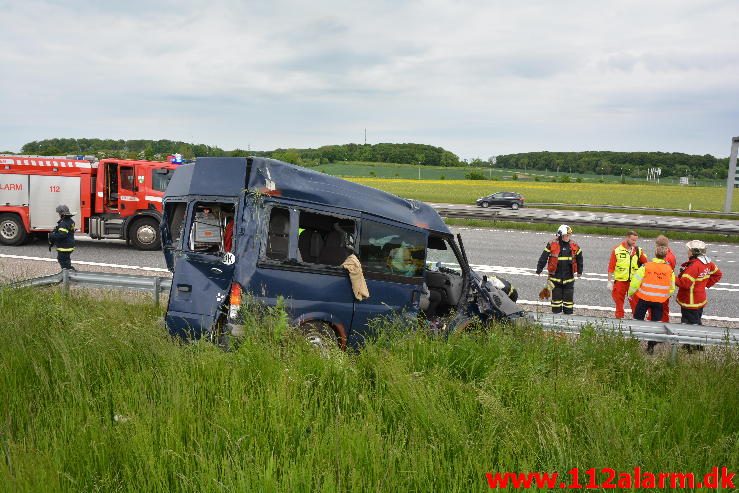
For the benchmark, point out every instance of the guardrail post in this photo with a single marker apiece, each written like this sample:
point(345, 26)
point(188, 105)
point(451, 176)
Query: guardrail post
point(65, 281)
point(673, 353)
point(157, 285)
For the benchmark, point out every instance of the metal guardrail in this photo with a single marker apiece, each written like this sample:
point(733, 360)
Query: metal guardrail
point(634, 208)
point(674, 334)
point(660, 223)
point(155, 285)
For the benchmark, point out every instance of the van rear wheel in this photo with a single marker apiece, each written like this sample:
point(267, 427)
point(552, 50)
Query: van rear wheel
point(12, 231)
point(321, 336)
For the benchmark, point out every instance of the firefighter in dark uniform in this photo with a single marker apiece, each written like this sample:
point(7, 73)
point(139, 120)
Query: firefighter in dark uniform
point(562, 259)
point(62, 237)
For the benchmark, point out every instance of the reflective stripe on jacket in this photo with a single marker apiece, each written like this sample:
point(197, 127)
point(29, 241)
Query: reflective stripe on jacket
point(696, 275)
point(653, 281)
point(626, 262)
point(63, 235)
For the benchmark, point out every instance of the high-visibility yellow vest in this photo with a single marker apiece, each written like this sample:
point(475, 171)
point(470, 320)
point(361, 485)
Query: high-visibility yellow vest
point(626, 264)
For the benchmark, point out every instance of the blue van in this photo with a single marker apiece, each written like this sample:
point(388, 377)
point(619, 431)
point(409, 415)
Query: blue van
point(272, 229)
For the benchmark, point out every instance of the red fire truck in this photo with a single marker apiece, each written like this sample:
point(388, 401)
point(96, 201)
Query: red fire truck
point(111, 198)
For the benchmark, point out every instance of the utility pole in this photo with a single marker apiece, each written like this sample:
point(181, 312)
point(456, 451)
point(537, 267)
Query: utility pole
point(365, 136)
point(732, 180)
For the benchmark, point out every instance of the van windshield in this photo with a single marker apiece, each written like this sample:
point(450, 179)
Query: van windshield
point(441, 254)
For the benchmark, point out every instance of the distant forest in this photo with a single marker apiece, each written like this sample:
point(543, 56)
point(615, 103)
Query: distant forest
point(633, 164)
point(159, 149)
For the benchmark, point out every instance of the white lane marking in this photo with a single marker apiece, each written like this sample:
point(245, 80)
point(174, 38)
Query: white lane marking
point(527, 271)
point(84, 262)
point(610, 309)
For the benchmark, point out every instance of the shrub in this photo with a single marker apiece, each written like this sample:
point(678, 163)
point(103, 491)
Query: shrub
point(474, 175)
point(514, 176)
point(579, 180)
point(564, 179)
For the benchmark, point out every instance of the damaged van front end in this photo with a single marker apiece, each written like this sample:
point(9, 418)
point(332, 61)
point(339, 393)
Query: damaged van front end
point(339, 254)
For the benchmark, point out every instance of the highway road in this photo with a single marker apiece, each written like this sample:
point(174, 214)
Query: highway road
point(612, 219)
point(511, 254)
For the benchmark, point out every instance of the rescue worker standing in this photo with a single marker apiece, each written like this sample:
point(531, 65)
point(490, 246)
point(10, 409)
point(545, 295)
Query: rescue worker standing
point(651, 285)
point(563, 261)
point(696, 275)
point(626, 258)
point(670, 258)
point(62, 237)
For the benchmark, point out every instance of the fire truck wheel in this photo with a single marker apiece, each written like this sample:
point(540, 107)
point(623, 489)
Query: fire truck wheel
point(12, 231)
point(144, 234)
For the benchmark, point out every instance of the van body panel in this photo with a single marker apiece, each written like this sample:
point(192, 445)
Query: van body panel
point(306, 292)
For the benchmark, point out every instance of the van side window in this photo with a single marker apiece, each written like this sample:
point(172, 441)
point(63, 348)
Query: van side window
point(324, 239)
point(278, 235)
point(392, 250)
point(209, 227)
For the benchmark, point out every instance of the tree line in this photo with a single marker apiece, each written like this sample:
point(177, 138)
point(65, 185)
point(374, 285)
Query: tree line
point(419, 154)
point(633, 164)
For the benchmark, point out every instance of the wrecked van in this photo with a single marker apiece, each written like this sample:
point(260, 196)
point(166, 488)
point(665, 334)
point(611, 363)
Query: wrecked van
point(338, 253)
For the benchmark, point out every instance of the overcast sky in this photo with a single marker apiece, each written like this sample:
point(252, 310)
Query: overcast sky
point(479, 78)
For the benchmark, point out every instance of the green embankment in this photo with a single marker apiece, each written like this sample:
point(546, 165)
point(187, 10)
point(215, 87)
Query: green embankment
point(95, 397)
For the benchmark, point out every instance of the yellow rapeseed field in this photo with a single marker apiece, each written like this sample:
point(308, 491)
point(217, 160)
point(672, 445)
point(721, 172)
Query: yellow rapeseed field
point(467, 191)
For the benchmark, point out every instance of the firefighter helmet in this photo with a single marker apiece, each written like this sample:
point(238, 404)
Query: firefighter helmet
point(63, 210)
point(564, 230)
point(696, 247)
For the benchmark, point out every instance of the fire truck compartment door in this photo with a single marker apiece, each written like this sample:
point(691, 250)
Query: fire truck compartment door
point(47, 192)
point(13, 189)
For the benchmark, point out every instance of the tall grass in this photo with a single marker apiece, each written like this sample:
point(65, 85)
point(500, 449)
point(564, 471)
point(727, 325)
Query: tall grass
point(95, 397)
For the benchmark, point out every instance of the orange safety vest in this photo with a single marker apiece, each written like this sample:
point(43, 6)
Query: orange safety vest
point(554, 257)
point(657, 282)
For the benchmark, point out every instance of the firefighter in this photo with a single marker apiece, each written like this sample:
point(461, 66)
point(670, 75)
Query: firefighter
point(563, 261)
point(696, 275)
point(62, 237)
point(626, 258)
point(651, 285)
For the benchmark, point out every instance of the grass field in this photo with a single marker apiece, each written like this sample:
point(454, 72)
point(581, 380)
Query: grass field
point(362, 169)
point(467, 191)
point(407, 171)
point(96, 398)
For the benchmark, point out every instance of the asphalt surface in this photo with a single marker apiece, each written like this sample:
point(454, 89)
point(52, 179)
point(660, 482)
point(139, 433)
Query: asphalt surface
point(513, 254)
point(510, 254)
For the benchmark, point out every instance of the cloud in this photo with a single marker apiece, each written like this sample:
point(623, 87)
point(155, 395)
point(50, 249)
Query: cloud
point(477, 77)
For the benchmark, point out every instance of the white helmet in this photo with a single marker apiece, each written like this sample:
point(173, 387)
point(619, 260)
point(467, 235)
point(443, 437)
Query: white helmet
point(564, 230)
point(696, 247)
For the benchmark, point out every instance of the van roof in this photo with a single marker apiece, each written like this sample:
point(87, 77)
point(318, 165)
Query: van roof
point(228, 177)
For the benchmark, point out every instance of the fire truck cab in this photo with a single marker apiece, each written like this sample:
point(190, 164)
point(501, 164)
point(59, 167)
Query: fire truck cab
point(111, 198)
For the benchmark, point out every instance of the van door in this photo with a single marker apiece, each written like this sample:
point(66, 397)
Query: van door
point(300, 260)
point(393, 260)
point(203, 265)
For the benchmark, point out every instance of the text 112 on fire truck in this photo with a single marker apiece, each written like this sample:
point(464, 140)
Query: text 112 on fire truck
point(111, 198)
